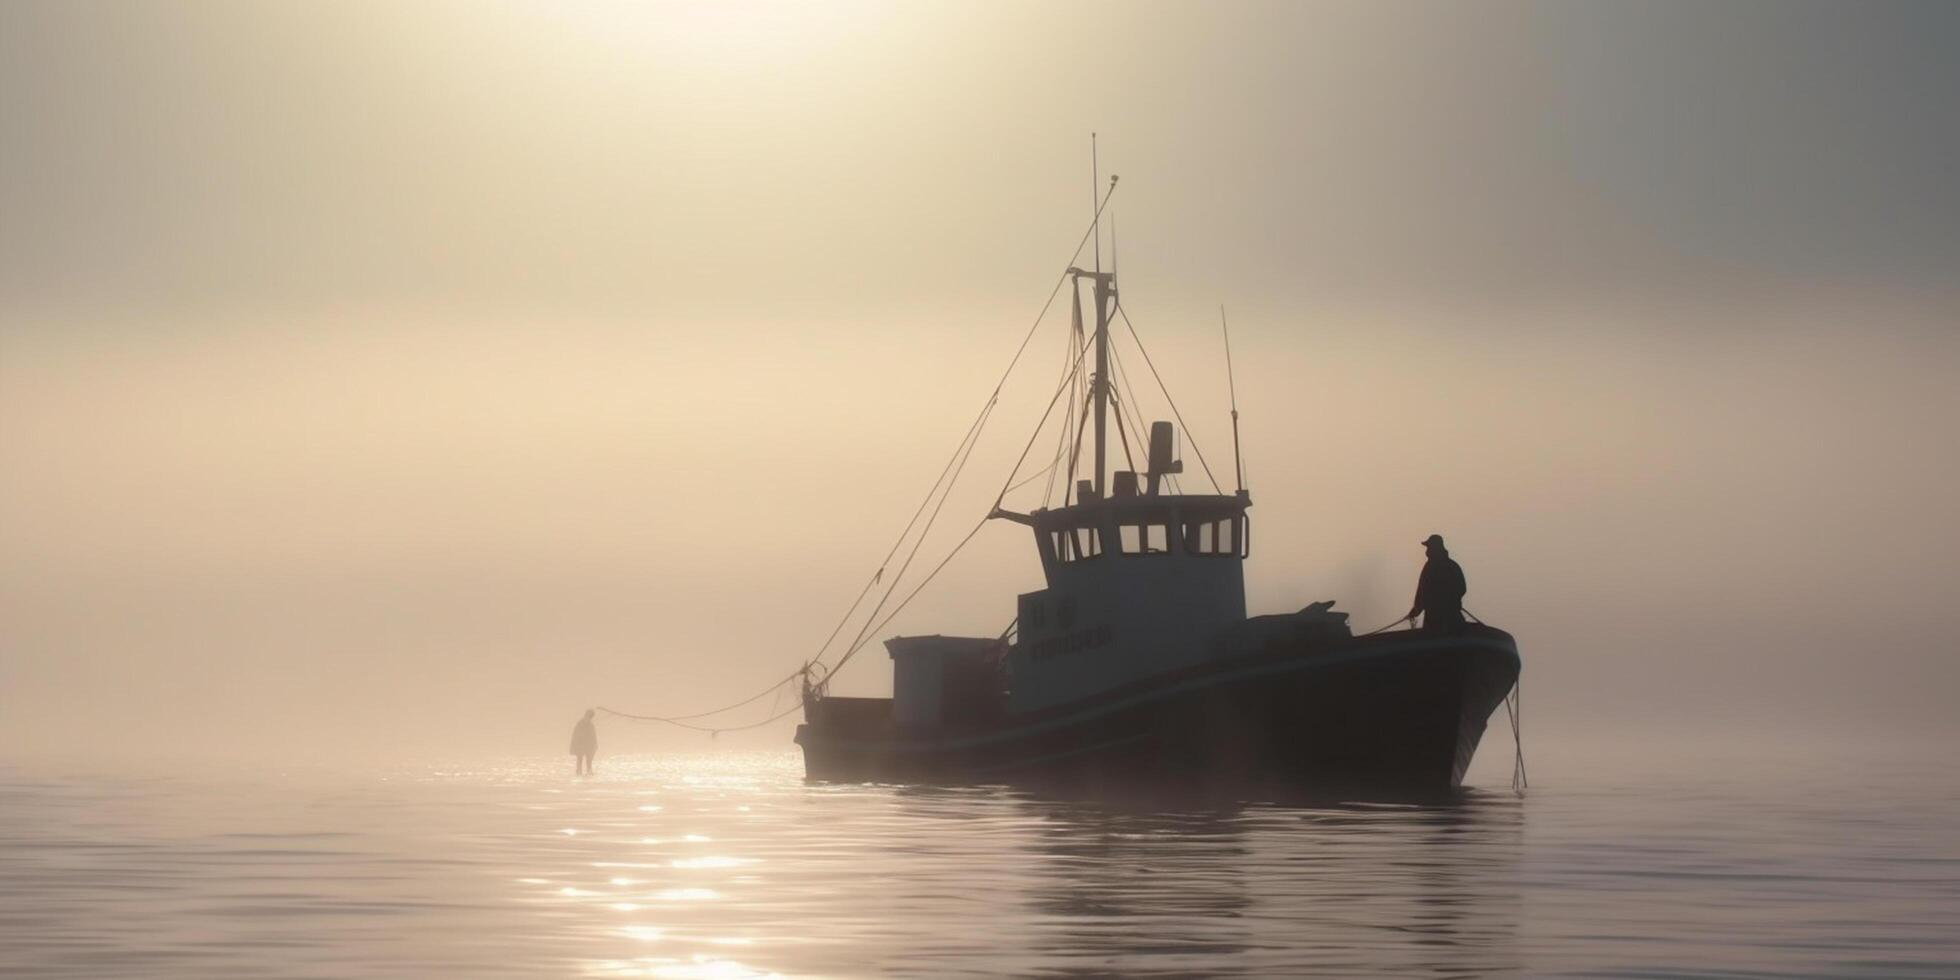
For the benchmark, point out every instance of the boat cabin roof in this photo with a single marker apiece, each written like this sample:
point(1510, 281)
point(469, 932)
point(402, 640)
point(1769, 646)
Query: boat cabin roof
point(1142, 509)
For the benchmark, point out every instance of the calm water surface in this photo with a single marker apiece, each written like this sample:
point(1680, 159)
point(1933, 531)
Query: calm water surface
point(730, 866)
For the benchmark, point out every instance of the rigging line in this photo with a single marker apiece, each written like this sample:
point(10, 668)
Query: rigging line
point(966, 441)
point(864, 634)
point(1057, 291)
point(1075, 452)
point(1070, 380)
point(1079, 394)
point(1123, 375)
point(992, 399)
point(1122, 379)
point(1036, 434)
point(1122, 407)
point(1070, 364)
point(914, 553)
point(1055, 463)
point(1189, 437)
point(1062, 442)
point(858, 641)
point(962, 458)
point(1053, 467)
point(973, 436)
point(1047, 471)
point(1120, 435)
point(831, 672)
point(1029, 336)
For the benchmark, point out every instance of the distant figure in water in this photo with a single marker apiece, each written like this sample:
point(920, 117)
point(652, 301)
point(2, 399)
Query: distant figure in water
point(585, 743)
point(1439, 593)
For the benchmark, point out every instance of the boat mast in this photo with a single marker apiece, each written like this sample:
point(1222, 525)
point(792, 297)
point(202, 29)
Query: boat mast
point(1102, 375)
point(1102, 322)
point(1105, 299)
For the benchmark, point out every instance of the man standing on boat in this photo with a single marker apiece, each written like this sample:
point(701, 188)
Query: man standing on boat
point(1439, 592)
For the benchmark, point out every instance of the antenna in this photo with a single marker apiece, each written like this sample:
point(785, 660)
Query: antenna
point(1232, 385)
point(1095, 203)
point(1112, 244)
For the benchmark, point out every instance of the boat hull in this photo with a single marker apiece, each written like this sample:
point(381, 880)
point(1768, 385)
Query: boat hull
point(1401, 711)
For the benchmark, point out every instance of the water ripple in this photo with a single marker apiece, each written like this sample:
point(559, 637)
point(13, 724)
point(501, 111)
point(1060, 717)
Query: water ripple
point(731, 866)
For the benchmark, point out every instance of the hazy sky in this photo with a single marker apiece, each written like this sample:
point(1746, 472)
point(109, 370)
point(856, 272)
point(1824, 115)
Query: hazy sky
point(412, 376)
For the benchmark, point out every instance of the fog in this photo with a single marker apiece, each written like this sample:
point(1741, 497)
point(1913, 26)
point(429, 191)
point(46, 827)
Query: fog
point(401, 380)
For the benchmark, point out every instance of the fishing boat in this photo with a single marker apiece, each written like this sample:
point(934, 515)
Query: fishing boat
point(1136, 659)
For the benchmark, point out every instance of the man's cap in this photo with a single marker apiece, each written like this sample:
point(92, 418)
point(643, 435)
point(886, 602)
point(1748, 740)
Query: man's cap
point(1435, 539)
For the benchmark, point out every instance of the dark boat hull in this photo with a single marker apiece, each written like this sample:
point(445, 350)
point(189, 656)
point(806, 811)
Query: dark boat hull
point(1400, 711)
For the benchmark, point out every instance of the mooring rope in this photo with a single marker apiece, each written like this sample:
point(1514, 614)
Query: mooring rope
point(1384, 629)
point(1514, 701)
point(678, 719)
point(1513, 709)
point(709, 729)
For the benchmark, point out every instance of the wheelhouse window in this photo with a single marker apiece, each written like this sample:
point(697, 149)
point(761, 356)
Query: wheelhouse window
point(1145, 539)
point(1076, 544)
point(1214, 537)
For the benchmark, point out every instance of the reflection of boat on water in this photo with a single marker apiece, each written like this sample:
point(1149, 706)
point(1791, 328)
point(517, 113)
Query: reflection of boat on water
point(1137, 660)
point(1149, 891)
